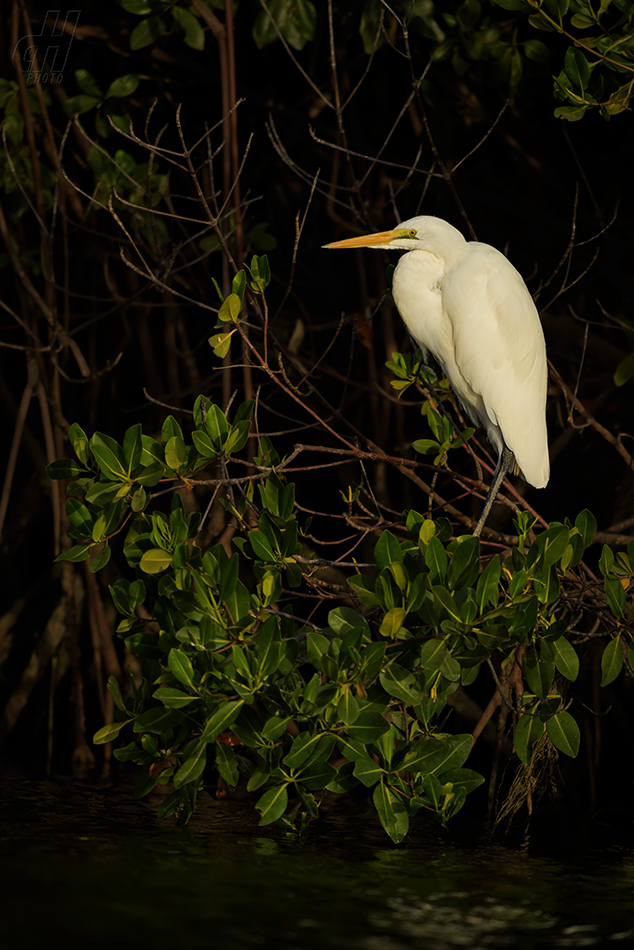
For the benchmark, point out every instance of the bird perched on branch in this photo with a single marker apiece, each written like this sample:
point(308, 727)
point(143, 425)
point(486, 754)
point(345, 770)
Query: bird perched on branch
point(465, 303)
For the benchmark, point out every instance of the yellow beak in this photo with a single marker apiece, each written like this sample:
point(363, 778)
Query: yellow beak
point(370, 240)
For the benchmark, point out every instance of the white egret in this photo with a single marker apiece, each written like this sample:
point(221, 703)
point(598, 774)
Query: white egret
point(465, 303)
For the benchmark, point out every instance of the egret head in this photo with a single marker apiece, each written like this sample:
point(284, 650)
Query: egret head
point(423, 233)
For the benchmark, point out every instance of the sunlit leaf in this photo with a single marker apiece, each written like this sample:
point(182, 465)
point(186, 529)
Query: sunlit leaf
point(611, 661)
point(528, 731)
point(564, 734)
point(272, 804)
point(391, 812)
point(155, 560)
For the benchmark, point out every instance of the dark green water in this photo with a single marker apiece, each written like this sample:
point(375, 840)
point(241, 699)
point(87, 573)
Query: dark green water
point(87, 866)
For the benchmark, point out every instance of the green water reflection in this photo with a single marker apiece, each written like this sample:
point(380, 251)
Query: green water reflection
point(88, 867)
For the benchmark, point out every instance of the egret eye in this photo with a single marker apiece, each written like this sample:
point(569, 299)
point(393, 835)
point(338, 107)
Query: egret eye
point(412, 233)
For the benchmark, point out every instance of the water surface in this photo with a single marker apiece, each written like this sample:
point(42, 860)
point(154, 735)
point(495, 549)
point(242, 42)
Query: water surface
point(85, 865)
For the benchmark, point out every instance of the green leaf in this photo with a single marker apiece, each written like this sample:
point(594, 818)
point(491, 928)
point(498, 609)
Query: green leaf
point(528, 731)
point(88, 84)
point(175, 453)
point(606, 561)
point(552, 544)
point(139, 500)
point(309, 747)
point(155, 560)
point(144, 645)
point(426, 446)
point(615, 594)
point(467, 778)
point(260, 775)
point(128, 753)
point(65, 468)
point(230, 309)
point(123, 86)
point(566, 659)
point(387, 550)
point(227, 764)
point(261, 546)
point(564, 734)
point(391, 812)
point(624, 371)
point(132, 447)
point(143, 7)
point(100, 559)
point(343, 619)
point(556, 8)
point(581, 22)
point(180, 665)
point(192, 769)
point(546, 584)
point(147, 31)
point(272, 804)
point(437, 755)
point(275, 727)
point(109, 732)
point(392, 622)
point(238, 437)
point(80, 104)
point(468, 14)
point(536, 51)
point(436, 561)
point(401, 684)
point(193, 33)
point(158, 720)
point(221, 343)
point(487, 590)
point(115, 691)
point(152, 451)
point(295, 20)
point(347, 708)
point(259, 273)
point(79, 552)
point(465, 563)
point(539, 672)
point(317, 775)
point(611, 661)
point(79, 517)
point(571, 113)
point(223, 717)
point(204, 445)
point(172, 698)
point(344, 779)
point(586, 524)
point(576, 67)
point(364, 589)
point(151, 475)
point(108, 456)
point(217, 425)
point(367, 771)
point(81, 444)
point(432, 654)
point(368, 726)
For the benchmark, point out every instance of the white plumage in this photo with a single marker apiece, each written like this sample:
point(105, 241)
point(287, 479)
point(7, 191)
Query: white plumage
point(465, 303)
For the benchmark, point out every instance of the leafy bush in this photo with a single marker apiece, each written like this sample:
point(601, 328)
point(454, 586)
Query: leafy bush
point(121, 209)
point(235, 687)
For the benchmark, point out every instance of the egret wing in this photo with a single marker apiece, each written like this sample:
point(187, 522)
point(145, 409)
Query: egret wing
point(500, 351)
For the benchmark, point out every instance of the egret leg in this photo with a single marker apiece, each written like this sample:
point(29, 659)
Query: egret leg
point(503, 467)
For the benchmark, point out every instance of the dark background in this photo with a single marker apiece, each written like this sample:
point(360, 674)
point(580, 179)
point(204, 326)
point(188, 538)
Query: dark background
point(534, 186)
